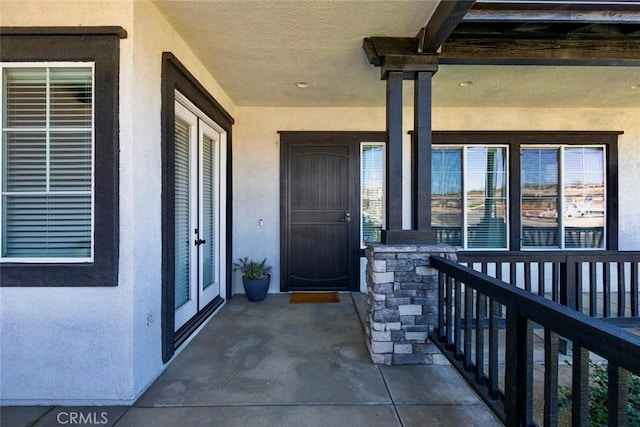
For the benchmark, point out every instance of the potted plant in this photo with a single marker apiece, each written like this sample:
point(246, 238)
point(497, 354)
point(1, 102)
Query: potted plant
point(255, 277)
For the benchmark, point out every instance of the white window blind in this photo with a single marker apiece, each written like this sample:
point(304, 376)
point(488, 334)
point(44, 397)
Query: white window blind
point(182, 213)
point(372, 193)
point(563, 197)
point(486, 197)
point(208, 210)
point(583, 197)
point(47, 163)
point(469, 196)
point(540, 197)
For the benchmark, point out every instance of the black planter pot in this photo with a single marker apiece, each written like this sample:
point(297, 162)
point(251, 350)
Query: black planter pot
point(256, 290)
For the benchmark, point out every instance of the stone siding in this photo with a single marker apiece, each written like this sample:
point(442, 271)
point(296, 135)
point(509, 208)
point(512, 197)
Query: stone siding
point(402, 296)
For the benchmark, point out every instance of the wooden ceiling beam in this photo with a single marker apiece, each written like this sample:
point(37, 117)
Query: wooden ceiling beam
point(411, 55)
point(409, 65)
point(398, 54)
point(376, 48)
point(445, 19)
point(595, 12)
point(512, 51)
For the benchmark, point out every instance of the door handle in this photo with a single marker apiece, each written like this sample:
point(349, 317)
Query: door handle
point(347, 217)
point(199, 242)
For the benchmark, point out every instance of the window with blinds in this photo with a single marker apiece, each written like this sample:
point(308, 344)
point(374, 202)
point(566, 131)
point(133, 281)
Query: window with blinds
point(486, 197)
point(469, 196)
point(182, 198)
point(583, 197)
point(372, 193)
point(209, 210)
point(563, 197)
point(47, 163)
point(540, 197)
point(446, 195)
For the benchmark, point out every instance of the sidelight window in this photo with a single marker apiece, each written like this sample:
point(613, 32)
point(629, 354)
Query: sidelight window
point(372, 193)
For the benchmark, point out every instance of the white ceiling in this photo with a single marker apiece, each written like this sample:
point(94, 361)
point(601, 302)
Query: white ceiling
point(258, 49)
point(537, 86)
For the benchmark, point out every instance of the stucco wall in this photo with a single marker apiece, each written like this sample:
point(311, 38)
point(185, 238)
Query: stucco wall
point(257, 150)
point(69, 344)
point(92, 345)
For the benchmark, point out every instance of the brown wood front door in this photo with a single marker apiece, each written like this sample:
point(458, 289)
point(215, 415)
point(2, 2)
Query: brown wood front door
point(320, 213)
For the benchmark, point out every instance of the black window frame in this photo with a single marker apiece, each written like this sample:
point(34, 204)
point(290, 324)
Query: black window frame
point(516, 140)
point(100, 45)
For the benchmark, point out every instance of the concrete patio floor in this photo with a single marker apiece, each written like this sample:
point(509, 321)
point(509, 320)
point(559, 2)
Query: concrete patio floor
point(278, 364)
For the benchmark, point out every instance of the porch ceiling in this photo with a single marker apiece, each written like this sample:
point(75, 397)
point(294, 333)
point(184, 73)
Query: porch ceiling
point(258, 49)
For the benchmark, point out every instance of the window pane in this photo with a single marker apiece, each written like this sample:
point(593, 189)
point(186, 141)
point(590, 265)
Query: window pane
point(584, 197)
point(486, 194)
point(47, 175)
point(446, 191)
point(71, 97)
point(25, 97)
point(47, 226)
point(372, 191)
point(70, 161)
point(181, 196)
point(540, 197)
point(208, 210)
point(24, 161)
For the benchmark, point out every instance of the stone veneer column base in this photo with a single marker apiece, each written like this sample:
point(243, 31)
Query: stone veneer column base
point(402, 303)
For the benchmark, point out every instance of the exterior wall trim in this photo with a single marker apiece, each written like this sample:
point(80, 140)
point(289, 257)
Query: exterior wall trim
point(119, 32)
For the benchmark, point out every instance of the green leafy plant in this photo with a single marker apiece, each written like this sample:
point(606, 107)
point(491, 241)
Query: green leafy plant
point(252, 270)
point(598, 396)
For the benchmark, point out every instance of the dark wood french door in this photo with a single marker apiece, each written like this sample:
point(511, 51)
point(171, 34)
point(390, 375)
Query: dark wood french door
point(320, 212)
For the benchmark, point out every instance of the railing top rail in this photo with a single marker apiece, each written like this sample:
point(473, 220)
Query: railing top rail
point(616, 345)
point(549, 256)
